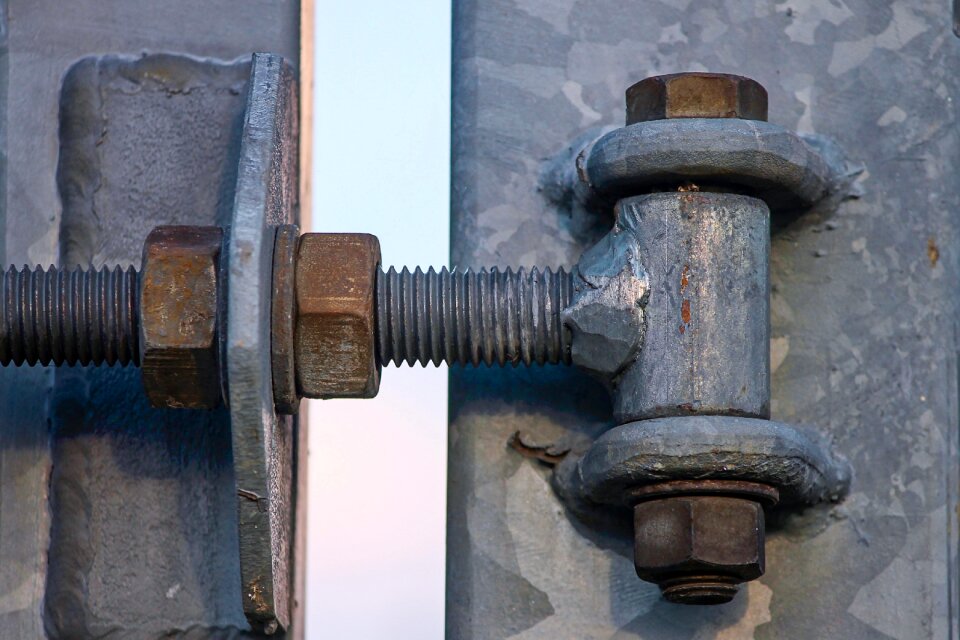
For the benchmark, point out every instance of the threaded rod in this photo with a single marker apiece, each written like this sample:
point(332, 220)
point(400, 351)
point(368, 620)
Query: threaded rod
point(71, 316)
point(471, 317)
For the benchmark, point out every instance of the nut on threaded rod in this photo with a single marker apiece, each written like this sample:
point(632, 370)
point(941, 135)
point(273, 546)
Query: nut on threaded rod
point(164, 318)
point(351, 317)
point(71, 316)
point(337, 316)
point(472, 317)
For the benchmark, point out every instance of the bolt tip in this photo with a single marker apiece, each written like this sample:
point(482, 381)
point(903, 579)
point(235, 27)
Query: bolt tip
point(700, 590)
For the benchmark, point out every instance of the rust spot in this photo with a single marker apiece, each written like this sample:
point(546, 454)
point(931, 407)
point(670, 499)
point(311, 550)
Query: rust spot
point(178, 318)
point(687, 407)
point(684, 278)
point(255, 593)
point(933, 252)
point(683, 329)
point(685, 312)
point(688, 186)
point(550, 454)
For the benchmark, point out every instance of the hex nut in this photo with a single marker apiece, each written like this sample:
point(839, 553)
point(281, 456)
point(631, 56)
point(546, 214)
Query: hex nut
point(714, 536)
point(179, 301)
point(696, 95)
point(334, 333)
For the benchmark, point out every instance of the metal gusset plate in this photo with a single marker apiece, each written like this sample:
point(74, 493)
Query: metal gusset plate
point(264, 443)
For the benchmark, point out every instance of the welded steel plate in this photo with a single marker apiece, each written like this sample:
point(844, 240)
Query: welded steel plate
point(264, 443)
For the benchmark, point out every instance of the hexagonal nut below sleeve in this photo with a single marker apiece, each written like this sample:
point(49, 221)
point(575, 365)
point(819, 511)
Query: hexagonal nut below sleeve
point(699, 535)
point(334, 334)
point(179, 299)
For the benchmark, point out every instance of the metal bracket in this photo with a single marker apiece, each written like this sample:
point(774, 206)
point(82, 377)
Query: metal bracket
point(265, 444)
point(686, 276)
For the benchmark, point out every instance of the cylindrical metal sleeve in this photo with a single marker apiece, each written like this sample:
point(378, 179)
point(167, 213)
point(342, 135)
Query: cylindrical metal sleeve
point(71, 316)
point(707, 343)
point(502, 317)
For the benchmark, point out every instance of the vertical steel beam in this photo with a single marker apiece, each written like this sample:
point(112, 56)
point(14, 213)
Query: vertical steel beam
point(117, 518)
point(863, 313)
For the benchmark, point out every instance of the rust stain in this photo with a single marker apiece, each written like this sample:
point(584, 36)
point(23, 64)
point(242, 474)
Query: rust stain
point(933, 252)
point(255, 593)
point(683, 329)
point(687, 187)
point(684, 278)
point(685, 311)
point(550, 454)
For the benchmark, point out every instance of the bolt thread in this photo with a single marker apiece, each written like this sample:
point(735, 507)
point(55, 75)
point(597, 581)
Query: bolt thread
point(70, 316)
point(488, 316)
point(700, 589)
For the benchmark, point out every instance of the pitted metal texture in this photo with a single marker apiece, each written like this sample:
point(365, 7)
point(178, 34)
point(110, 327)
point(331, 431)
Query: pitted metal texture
point(706, 345)
point(862, 304)
point(606, 317)
point(765, 159)
point(798, 462)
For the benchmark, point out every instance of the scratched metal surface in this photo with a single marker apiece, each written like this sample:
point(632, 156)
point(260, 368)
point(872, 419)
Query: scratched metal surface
point(118, 520)
point(863, 314)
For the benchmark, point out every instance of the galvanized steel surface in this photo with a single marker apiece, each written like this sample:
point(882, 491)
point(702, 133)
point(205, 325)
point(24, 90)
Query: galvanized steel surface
point(767, 160)
point(797, 461)
point(863, 312)
point(606, 317)
point(706, 346)
point(118, 518)
point(120, 469)
point(264, 443)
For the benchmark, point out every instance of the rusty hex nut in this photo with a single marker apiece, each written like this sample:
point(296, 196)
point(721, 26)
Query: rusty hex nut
point(696, 95)
point(698, 548)
point(179, 299)
point(334, 332)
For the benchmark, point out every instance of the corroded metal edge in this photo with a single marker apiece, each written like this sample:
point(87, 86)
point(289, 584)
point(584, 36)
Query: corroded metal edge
point(799, 463)
point(263, 442)
point(283, 316)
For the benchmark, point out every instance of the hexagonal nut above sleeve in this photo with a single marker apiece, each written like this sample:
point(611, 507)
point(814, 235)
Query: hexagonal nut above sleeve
point(696, 95)
point(334, 335)
point(179, 301)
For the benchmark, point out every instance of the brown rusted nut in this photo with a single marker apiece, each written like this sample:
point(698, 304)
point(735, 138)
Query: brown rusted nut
point(698, 548)
point(696, 95)
point(179, 297)
point(334, 336)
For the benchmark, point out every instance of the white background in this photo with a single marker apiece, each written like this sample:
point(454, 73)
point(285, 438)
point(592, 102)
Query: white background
point(377, 471)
